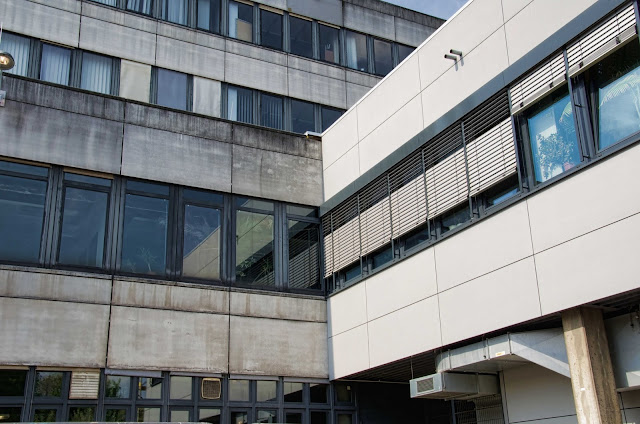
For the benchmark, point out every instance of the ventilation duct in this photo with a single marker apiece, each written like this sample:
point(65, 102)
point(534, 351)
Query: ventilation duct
point(448, 385)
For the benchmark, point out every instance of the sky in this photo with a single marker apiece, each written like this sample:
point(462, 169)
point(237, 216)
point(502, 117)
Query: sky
point(438, 8)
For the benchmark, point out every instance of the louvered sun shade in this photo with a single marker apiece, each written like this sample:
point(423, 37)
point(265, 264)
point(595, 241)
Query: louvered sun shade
point(327, 245)
point(538, 83)
point(346, 234)
point(608, 36)
point(408, 199)
point(375, 215)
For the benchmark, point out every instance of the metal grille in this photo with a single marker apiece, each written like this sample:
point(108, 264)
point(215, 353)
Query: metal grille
point(375, 215)
point(425, 385)
point(211, 388)
point(482, 410)
point(446, 173)
point(544, 79)
point(327, 239)
point(84, 385)
point(408, 199)
point(605, 38)
point(346, 234)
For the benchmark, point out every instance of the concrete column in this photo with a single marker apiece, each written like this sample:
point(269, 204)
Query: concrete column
point(594, 388)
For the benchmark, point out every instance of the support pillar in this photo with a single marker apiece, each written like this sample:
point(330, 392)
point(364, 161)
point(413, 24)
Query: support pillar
point(592, 381)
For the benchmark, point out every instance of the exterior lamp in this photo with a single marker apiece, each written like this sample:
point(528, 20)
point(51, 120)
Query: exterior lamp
point(6, 61)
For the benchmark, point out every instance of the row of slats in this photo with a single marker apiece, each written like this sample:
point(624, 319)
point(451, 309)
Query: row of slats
point(408, 199)
point(545, 78)
point(346, 234)
point(375, 215)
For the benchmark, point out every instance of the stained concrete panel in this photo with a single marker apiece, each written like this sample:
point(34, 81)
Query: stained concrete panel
point(339, 175)
point(368, 21)
point(117, 40)
point(41, 285)
point(316, 67)
point(188, 35)
point(276, 141)
point(53, 136)
point(176, 158)
point(154, 339)
point(166, 296)
point(119, 17)
point(135, 80)
point(355, 92)
point(260, 346)
point(317, 88)
point(411, 33)
point(347, 309)
point(278, 307)
point(207, 96)
point(255, 52)
point(190, 58)
point(329, 11)
point(361, 78)
point(53, 333)
point(255, 73)
point(42, 21)
point(349, 352)
point(277, 176)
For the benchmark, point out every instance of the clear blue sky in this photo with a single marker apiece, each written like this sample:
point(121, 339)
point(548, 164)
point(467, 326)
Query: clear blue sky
point(439, 8)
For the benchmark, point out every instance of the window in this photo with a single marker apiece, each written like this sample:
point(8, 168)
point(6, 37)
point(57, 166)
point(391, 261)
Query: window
point(96, 73)
point(12, 383)
point(266, 391)
point(176, 11)
point(240, 21)
point(301, 37)
point(208, 12)
point(118, 387)
point(240, 104)
point(383, 59)
point(302, 116)
point(455, 218)
point(304, 254)
point(319, 417)
point(140, 6)
point(239, 391)
point(404, 52)
point(329, 116)
point(329, 43)
point(319, 393)
point(173, 89)
point(270, 29)
point(271, 111)
point(181, 388)
point(55, 64)
point(356, 45)
point(254, 242)
point(18, 47)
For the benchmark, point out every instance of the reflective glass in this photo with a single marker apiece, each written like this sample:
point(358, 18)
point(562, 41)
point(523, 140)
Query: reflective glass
point(210, 415)
point(172, 89)
point(86, 179)
point(267, 416)
point(254, 248)
point(381, 257)
point(209, 15)
point(304, 248)
point(239, 390)
point(239, 417)
point(148, 415)
point(293, 417)
point(45, 415)
point(21, 214)
point(161, 189)
point(10, 414)
point(343, 391)
point(318, 393)
point(243, 202)
point(18, 47)
point(416, 237)
point(55, 64)
point(48, 384)
point(240, 104)
point(201, 196)
point(267, 391)
point(271, 111)
point(300, 36)
point(180, 388)
point(96, 73)
point(83, 227)
point(552, 135)
point(149, 388)
point(140, 6)
point(292, 392)
point(319, 417)
point(352, 272)
point(176, 11)
point(302, 116)
point(201, 252)
point(240, 21)
point(116, 415)
point(12, 382)
point(356, 45)
point(345, 419)
point(82, 414)
point(302, 211)
point(179, 416)
point(144, 244)
point(118, 387)
point(24, 169)
point(404, 52)
point(382, 57)
point(329, 116)
point(270, 29)
point(329, 43)
point(454, 219)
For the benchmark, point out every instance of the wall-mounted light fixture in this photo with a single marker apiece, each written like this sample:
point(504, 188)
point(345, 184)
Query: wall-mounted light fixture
point(457, 53)
point(450, 56)
point(6, 63)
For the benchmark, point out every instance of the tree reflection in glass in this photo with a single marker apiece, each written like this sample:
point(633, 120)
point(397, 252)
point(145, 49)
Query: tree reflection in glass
point(254, 248)
point(145, 235)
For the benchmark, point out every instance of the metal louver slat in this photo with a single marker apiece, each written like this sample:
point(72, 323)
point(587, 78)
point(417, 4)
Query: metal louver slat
point(600, 41)
point(327, 238)
point(375, 216)
point(546, 78)
point(346, 234)
point(408, 197)
point(303, 256)
point(84, 385)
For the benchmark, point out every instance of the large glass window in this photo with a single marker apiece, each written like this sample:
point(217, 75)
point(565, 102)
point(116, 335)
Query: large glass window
point(270, 29)
point(144, 244)
point(240, 21)
point(301, 38)
point(302, 116)
point(48, 384)
point(209, 15)
point(266, 391)
point(140, 6)
point(304, 248)
point(356, 45)
point(240, 104)
point(173, 89)
point(18, 47)
point(254, 242)
point(210, 415)
point(176, 11)
point(96, 73)
point(10, 414)
point(271, 111)
point(22, 203)
point(329, 43)
point(383, 58)
point(118, 387)
point(329, 116)
point(12, 382)
point(55, 64)
point(404, 52)
point(202, 235)
point(552, 136)
point(239, 391)
point(293, 392)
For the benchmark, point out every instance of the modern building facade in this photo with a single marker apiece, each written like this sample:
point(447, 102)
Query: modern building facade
point(173, 249)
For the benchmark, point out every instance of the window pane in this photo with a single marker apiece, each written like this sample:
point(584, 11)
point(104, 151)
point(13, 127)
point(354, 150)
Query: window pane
point(270, 29)
point(83, 227)
point(148, 415)
point(180, 388)
point(201, 196)
point(41, 415)
point(21, 215)
point(144, 244)
point(149, 388)
point(404, 52)
point(344, 394)
point(172, 89)
point(201, 255)
point(24, 169)
point(239, 390)
point(209, 15)
point(209, 415)
point(48, 384)
point(381, 257)
point(383, 57)
point(18, 47)
point(292, 392)
point(304, 247)
point(554, 145)
point(271, 111)
point(318, 393)
point(416, 237)
point(267, 391)
point(329, 116)
point(319, 417)
point(302, 211)
point(454, 219)
point(178, 416)
point(241, 21)
point(301, 37)
point(160, 189)
point(302, 116)
point(140, 6)
point(617, 79)
point(293, 417)
point(356, 45)
point(116, 415)
point(239, 418)
point(107, 2)
point(82, 414)
point(118, 387)
point(345, 419)
point(86, 179)
point(240, 104)
point(175, 11)
point(96, 73)
point(254, 248)
point(243, 202)
point(329, 43)
point(10, 414)
point(12, 382)
point(267, 417)
point(55, 64)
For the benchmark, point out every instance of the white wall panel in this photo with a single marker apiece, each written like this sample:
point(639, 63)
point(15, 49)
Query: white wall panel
point(135, 81)
point(207, 96)
point(342, 137)
point(511, 7)
point(347, 309)
point(341, 173)
point(348, 352)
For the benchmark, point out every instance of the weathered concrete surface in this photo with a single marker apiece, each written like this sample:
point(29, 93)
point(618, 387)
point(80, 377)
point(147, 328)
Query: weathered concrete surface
point(278, 307)
point(167, 340)
point(260, 346)
point(592, 378)
point(43, 285)
point(53, 333)
point(276, 141)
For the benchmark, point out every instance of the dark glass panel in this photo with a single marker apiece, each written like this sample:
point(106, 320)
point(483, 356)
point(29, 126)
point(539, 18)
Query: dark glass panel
point(148, 415)
point(343, 391)
point(144, 244)
point(209, 15)
point(502, 191)
point(149, 388)
point(352, 271)
point(329, 116)
point(239, 417)
point(416, 237)
point(302, 211)
point(200, 196)
point(329, 43)
point(118, 387)
point(201, 252)
point(319, 417)
point(454, 219)
point(267, 416)
point(293, 417)
point(43, 415)
point(48, 384)
point(140, 6)
point(82, 414)
point(304, 251)
point(239, 390)
point(180, 389)
point(381, 257)
point(254, 248)
point(318, 393)
point(267, 391)
point(240, 104)
point(404, 52)
point(271, 108)
point(243, 202)
point(292, 392)
point(116, 415)
point(270, 29)
point(147, 187)
point(302, 116)
point(210, 415)
point(83, 228)
point(240, 21)
point(345, 419)
point(383, 57)
point(24, 169)
point(21, 214)
point(301, 41)
point(172, 89)
point(10, 414)
point(12, 382)
point(356, 45)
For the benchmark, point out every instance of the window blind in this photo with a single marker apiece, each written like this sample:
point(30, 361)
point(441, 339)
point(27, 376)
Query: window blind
point(346, 234)
point(408, 197)
point(375, 215)
point(544, 79)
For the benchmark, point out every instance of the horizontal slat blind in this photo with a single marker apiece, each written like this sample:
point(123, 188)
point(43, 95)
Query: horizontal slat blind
point(303, 258)
point(544, 79)
point(408, 198)
point(608, 36)
point(446, 173)
point(84, 385)
point(375, 215)
point(327, 238)
point(346, 234)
